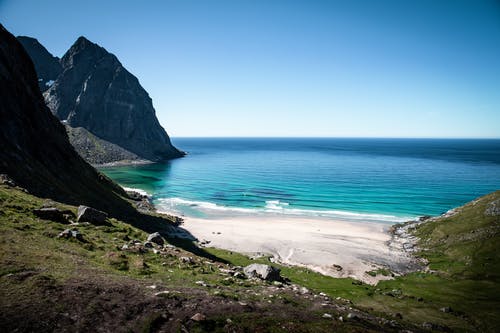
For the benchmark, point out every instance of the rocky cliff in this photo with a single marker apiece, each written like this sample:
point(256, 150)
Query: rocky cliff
point(35, 150)
point(47, 66)
point(96, 92)
point(98, 151)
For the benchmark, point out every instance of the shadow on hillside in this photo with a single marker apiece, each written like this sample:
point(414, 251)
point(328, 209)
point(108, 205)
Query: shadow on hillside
point(172, 232)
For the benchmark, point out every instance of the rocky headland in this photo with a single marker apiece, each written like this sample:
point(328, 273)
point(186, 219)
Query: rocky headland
point(110, 117)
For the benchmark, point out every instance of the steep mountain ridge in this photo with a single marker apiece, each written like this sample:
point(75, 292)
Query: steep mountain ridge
point(47, 66)
point(94, 91)
point(35, 149)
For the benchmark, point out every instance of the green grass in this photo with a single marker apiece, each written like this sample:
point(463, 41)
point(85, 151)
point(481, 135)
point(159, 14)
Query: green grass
point(462, 249)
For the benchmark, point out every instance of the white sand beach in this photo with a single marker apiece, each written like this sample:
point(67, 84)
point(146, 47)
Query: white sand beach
point(313, 242)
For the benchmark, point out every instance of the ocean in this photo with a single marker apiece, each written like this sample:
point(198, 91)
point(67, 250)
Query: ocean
point(376, 180)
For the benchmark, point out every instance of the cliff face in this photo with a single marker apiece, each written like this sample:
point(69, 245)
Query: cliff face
point(47, 66)
point(96, 92)
point(35, 150)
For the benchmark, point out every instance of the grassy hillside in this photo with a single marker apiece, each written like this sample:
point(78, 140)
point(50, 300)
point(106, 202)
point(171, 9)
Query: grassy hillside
point(50, 284)
point(461, 289)
point(53, 284)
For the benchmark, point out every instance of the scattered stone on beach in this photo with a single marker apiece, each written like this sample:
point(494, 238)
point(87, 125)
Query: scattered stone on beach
point(327, 316)
point(204, 242)
point(89, 214)
point(148, 245)
point(52, 214)
point(134, 195)
point(263, 272)
point(156, 238)
point(338, 268)
point(145, 206)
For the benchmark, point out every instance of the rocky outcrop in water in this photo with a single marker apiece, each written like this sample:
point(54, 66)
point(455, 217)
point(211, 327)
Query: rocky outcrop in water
point(95, 92)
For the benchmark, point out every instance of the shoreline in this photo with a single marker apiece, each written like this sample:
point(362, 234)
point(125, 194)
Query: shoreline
point(331, 247)
point(122, 163)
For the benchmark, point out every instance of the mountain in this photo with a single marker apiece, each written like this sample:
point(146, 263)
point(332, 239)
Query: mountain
point(95, 92)
point(35, 150)
point(47, 66)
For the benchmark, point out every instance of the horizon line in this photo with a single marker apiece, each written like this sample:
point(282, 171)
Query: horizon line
point(333, 137)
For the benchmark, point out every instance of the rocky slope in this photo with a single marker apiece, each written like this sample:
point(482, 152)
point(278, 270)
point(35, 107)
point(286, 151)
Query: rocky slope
point(35, 149)
point(47, 66)
point(96, 92)
point(97, 151)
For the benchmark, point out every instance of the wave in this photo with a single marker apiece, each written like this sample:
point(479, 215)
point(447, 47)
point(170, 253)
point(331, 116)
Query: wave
point(276, 207)
point(138, 190)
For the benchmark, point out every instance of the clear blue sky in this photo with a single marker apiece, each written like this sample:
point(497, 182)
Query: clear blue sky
point(426, 68)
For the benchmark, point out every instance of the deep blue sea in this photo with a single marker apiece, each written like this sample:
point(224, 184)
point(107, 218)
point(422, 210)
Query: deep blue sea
point(382, 180)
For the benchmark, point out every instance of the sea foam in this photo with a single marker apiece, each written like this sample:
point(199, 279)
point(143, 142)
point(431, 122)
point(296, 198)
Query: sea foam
point(273, 207)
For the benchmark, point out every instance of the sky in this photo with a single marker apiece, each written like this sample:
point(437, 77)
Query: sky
point(271, 68)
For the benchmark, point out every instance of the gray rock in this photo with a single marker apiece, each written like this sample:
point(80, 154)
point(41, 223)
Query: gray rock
point(436, 327)
point(493, 208)
point(338, 268)
point(156, 238)
point(186, 260)
point(6, 180)
point(96, 150)
point(199, 317)
point(148, 245)
point(71, 233)
point(52, 214)
point(89, 214)
point(145, 206)
point(351, 315)
point(264, 272)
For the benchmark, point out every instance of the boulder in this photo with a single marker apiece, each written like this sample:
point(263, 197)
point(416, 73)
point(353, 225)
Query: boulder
point(71, 233)
point(145, 206)
point(52, 214)
point(89, 214)
point(6, 180)
point(156, 238)
point(264, 272)
point(198, 317)
point(493, 208)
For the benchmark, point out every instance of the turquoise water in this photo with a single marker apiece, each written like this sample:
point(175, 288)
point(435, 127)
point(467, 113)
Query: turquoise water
point(382, 180)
